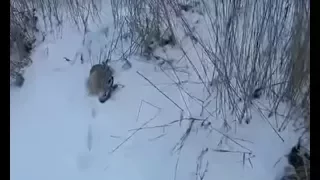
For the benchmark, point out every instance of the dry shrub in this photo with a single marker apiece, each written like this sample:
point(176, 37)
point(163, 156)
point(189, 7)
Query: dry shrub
point(22, 37)
point(300, 54)
point(26, 17)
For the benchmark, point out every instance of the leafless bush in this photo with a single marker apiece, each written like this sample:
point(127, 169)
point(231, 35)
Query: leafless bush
point(22, 36)
point(28, 17)
point(147, 22)
point(252, 48)
point(299, 86)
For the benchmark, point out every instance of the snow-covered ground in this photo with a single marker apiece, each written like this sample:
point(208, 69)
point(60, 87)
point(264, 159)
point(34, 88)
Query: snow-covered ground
point(59, 133)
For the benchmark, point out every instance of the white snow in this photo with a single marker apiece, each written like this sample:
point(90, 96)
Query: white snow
point(59, 133)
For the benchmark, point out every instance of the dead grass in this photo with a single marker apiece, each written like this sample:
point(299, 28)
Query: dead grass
point(300, 54)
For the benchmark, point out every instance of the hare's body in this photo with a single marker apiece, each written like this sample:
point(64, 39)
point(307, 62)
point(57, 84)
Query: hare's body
point(100, 82)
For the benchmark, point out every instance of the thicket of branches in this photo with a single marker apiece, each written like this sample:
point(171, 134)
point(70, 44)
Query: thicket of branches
point(254, 48)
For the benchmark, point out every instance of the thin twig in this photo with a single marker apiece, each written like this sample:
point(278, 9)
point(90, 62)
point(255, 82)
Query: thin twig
point(176, 168)
point(129, 137)
point(160, 91)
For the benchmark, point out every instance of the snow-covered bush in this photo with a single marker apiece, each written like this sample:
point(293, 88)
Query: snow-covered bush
point(22, 37)
point(298, 164)
point(146, 22)
point(30, 17)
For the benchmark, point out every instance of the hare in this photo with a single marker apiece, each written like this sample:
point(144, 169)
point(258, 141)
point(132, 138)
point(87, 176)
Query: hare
point(100, 82)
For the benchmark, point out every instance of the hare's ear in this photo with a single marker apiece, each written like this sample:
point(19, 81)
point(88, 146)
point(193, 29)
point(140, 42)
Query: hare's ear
point(110, 81)
point(104, 64)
